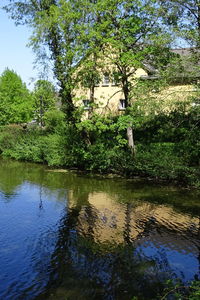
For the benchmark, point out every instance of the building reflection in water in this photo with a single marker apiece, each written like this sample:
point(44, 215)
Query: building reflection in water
point(125, 249)
point(111, 221)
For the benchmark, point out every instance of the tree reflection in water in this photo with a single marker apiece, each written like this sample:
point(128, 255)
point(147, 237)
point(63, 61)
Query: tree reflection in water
point(114, 239)
point(86, 269)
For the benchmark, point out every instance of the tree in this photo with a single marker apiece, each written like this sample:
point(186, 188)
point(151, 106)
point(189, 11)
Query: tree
point(129, 33)
point(16, 104)
point(184, 18)
point(132, 36)
point(44, 96)
point(56, 28)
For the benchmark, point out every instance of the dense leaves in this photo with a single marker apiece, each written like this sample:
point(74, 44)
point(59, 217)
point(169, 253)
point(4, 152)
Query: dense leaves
point(167, 145)
point(44, 97)
point(183, 16)
point(16, 104)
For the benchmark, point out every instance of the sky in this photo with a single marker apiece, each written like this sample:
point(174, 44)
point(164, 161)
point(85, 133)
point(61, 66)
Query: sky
point(14, 54)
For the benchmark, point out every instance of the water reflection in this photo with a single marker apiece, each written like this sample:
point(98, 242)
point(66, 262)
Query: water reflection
point(126, 249)
point(70, 236)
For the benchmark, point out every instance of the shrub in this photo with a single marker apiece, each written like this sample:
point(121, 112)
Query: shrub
point(55, 121)
point(53, 150)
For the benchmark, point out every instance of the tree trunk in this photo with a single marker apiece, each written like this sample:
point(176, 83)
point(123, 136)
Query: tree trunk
point(129, 130)
point(92, 84)
point(198, 24)
point(131, 140)
point(67, 105)
point(41, 112)
point(90, 112)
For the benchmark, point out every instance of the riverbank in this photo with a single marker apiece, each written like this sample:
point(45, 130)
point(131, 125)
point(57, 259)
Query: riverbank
point(105, 152)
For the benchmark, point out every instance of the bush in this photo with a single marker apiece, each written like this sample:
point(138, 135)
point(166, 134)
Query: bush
point(177, 290)
point(9, 136)
point(161, 160)
point(55, 121)
point(53, 150)
point(100, 145)
point(20, 144)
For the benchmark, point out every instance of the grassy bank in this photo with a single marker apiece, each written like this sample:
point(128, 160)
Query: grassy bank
point(165, 150)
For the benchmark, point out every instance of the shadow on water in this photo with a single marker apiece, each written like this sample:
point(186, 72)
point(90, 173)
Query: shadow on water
point(112, 238)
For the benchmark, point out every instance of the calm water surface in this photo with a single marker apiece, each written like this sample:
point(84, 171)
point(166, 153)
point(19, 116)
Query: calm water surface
point(68, 236)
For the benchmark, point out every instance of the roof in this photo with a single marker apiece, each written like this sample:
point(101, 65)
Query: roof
point(183, 51)
point(185, 69)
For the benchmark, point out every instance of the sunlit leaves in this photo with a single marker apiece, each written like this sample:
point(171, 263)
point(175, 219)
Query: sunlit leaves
point(16, 104)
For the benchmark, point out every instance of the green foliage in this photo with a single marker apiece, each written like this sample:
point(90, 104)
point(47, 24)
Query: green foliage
point(79, 35)
point(53, 150)
point(22, 144)
point(56, 38)
point(32, 145)
point(180, 127)
point(179, 291)
point(167, 144)
point(44, 97)
point(161, 160)
point(55, 121)
point(16, 103)
point(9, 136)
point(183, 18)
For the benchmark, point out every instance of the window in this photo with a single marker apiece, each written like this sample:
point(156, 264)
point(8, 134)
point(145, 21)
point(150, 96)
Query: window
point(122, 104)
point(106, 80)
point(86, 104)
point(97, 80)
point(115, 79)
point(114, 82)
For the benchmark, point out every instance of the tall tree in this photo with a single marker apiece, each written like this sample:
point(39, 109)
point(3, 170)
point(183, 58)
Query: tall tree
point(133, 36)
point(16, 104)
point(56, 29)
point(128, 33)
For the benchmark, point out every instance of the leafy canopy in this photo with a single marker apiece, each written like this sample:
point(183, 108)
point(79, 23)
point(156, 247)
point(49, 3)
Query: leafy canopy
point(16, 105)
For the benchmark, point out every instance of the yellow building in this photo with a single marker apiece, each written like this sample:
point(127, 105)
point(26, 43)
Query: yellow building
point(109, 97)
point(108, 94)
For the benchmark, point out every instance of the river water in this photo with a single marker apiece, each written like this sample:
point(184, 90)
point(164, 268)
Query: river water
point(69, 236)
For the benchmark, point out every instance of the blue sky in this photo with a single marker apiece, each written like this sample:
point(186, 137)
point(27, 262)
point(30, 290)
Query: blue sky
point(13, 51)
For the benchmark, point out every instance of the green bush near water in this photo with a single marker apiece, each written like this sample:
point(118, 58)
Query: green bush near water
point(32, 145)
point(166, 152)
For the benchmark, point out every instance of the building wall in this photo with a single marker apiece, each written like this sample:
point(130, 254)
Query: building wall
point(107, 97)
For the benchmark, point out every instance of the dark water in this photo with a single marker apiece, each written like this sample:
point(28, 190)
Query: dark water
point(67, 236)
